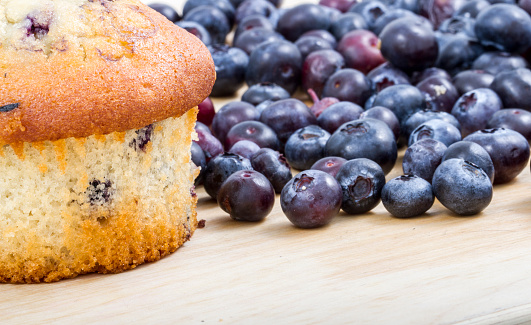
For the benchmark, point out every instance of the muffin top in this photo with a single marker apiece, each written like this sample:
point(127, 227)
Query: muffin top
point(73, 68)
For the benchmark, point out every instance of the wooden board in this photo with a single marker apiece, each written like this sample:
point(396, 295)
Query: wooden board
point(369, 269)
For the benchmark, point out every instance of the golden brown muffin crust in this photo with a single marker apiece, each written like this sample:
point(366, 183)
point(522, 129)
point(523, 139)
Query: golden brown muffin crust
point(120, 66)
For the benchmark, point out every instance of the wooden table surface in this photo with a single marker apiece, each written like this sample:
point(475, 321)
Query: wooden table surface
point(368, 269)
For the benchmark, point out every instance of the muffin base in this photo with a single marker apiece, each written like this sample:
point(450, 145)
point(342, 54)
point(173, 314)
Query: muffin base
point(105, 203)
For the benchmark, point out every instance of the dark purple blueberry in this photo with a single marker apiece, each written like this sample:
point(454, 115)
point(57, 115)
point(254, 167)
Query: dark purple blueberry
point(279, 62)
point(361, 182)
point(224, 5)
point(309, 44)
point(422, 158)
point(246, 195)
point(514, 88)
point(201, 127)
point(347, 22)
point(348, 85)
point(407, 196)
point(214, 21)
point(408, 5)
point(385, 75)
point(341, 5)
point(261, 92)
point(438, 10)
point(311, 199)
point(300, 19)
point(419, 76)
point(142, 139)
point(506, 27)
point(439, 92)
point(388, 17)
point(361, 50)
point(101, 192)
point(244, 148)
point(474, 109)
point(305, 146)
point(323, 34)
point(166, 10)
point(206, 111)
point(318, 67)
point(383, 114)
point(196, 29)
point(471, 8)
point(211, 146)
point(231, 65)
point(231, 114)
point(514, 119)
point(469, 80)
point(257, 7)
point(254, 131)
point(220, 168)
point(472, 152)
point(458, 53)
point(329, 165)
point(494, 62)
point(403, 100)
point(274, 166)
point(508, 149)
point(370, 11)
point(365, 138)
point(249, 40)
point(458, 25)
point(251, 22)
point(287, 116)
point(409, 44)
point(337, 114)
point(462, 187)
point(436, 129)
point(199, 159)
point(425, 115)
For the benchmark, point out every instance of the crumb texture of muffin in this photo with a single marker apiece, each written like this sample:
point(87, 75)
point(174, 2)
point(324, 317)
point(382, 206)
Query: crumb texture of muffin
point(104, 203)
point(97, 66)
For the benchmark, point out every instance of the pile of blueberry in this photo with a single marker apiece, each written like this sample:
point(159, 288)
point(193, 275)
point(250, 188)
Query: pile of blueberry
point(447, 79)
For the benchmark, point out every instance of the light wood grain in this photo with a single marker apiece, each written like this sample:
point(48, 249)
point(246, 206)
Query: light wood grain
point(369, 269)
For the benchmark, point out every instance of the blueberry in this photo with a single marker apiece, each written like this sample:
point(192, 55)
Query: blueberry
point(506, 27)
point(244, 148)
point(409, 44)
point(305, 146)
point(469, 80)
point(286, 116)
point(458, 53)
point(514, 87)
point(254, 131)
point(261, 92)
point(231, 114)
point(309, 44)
point(407, 196)
point(337, 114)
point(99, 192)
point(471, 8)
point(143, 138)
point(196, 29)
point(318, 66)
point(474, 109)
point(311, 199)
point(231, 65)
point(370, 11)
point(246, 195)
point(199, 159)
point(462, 187)
point(211, 146)
point(206, 112)
point(347, 22)
point(423, 116)
point(329, 165)
point(439, 92)
point(361, 182)
point(300, 19)
point(274, 166)
point(249, 40)
point(361, 50)
point(463, 25)
point(341, 5)
point(439, 130)
point(494, 62)
point(279, 62)
point(251, 22)
point(418, 77)
point(257, 7)
point(322, 34)
point(165, 10)
point(220, 168)
point(422, 158)
point(508, 149)
point(409, 5)
point(365, 138)
point(472, 152)
point(385, 115)
point(214, 21)
point(348, 85)
point(385, 75)
point(388, 17)
point(514, 119)
point(403, 100)
point(224, 5)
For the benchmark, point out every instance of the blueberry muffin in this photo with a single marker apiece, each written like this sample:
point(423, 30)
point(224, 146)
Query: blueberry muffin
point(96, 120)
